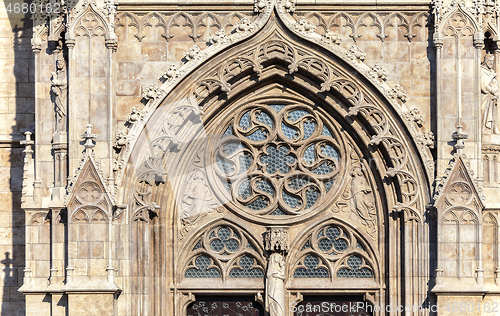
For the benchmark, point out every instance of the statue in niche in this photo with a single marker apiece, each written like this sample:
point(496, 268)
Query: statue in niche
point(489, 90)
point(195, 200)
point(275, 285)
point(60, 89)
point(361, 200)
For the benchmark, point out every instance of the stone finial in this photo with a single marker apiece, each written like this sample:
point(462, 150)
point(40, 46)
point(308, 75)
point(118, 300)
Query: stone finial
point(459, 137)
point(27, 142)
point(276, 239)
point(89, 137)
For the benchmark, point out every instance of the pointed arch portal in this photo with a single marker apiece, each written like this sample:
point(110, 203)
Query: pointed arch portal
point(275, 134)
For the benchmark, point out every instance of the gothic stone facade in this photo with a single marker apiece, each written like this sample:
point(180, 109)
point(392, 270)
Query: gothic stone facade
point(187, 157)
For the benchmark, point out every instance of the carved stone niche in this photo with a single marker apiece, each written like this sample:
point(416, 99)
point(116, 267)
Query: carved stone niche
point(459, 210)
point(276, 239)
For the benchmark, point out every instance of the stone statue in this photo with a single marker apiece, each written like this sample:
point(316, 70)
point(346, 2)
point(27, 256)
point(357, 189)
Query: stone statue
point(194, 201)
point(489, 89)
point(361, 201)
point(275, 285)
point(59, 89)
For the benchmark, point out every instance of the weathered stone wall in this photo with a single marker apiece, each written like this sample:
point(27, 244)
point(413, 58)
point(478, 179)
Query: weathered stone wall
point(16, 116)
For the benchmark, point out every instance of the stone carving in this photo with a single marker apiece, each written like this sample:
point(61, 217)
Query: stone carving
point(304, 26)
point(120, 142)
point(194, 53)
point(231, 251)
point(172, 72)
point(361, 199)
point(89, 138)
point(135, 115)
point(195, 200)
point(276, 239)
point(330, 38)
point(275, 285)
point(355, 53)
point(219, 38)
point(489, 90)
point(328, 251)
point(152, 92)
point(378, 72)
point(289, 160)
point(60, 91)
point(398, 93)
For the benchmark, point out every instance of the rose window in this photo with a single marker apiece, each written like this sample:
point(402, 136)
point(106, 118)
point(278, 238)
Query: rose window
point(277, 159)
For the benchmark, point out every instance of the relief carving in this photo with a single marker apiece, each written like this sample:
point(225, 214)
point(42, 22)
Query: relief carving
point(361, 199)
point(275, 285)
point(490, 94)
point(60, 92)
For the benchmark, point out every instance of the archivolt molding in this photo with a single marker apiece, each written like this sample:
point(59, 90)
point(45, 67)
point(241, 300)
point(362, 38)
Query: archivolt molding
point(386, 132)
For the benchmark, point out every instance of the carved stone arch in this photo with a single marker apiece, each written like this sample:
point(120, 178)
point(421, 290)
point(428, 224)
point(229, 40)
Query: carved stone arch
point(197, 236)
point(135, 22)
point(365, 110)
point(146, 22)
point(39, 218)
point(89, 22)
point(189, 22)
point(80, 216)
point(402, 21)
point(310, 243)
point(458, 22)
point(376, 21)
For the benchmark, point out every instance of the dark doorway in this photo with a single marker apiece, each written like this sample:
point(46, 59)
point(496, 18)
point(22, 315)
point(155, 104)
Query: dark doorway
point(230, 305)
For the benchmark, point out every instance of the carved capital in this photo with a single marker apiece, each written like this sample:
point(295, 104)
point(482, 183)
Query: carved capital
point(438, 41)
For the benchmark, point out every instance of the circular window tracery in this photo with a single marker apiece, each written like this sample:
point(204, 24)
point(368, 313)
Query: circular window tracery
point(278, 159)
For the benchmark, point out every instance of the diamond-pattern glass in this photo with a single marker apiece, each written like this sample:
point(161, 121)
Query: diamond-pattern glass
point(291, 201)
point(311, 269)
point(326, 132)
point(277, 160)
point(354, 270)
point(229, 131)
point(202, 269)
point(325, 243)
point(277, 107)
point(246, 269)
point(265, 118)
point(224, 240)
point(289, 132)
point(198, 245)
point(309, 128)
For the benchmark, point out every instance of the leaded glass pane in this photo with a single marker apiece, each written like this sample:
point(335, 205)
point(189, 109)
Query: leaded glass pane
point(311, 269)
point(354, 271)
point(202, 269)
point(246, 269)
